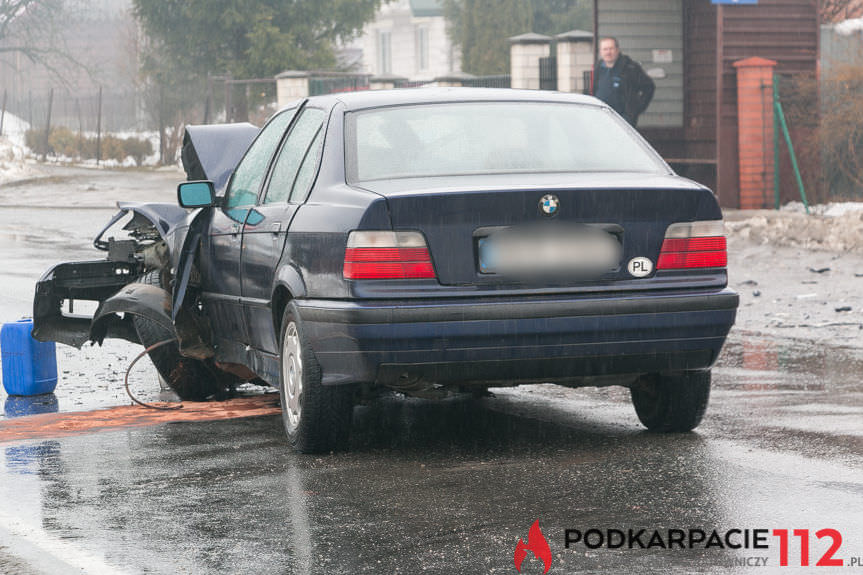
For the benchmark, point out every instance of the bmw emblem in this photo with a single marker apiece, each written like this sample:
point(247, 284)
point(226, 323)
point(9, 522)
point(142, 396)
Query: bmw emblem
point(549, 204)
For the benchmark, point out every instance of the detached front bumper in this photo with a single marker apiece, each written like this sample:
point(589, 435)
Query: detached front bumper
point(115, 285)
point(518, 340)
point(67, 282)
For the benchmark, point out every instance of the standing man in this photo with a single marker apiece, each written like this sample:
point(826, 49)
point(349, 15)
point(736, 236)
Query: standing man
point(620, 82)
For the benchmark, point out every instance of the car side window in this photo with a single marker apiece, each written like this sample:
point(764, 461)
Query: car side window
point(306, 175)
point(248, 176)
point(290, 166)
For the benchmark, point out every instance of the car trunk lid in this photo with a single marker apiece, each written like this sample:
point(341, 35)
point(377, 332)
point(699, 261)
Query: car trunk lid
point(456, 213)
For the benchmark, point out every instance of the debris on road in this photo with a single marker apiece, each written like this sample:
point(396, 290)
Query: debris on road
point(76, 423)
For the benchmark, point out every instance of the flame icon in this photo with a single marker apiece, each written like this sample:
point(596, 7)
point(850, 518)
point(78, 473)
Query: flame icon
point(537, 544)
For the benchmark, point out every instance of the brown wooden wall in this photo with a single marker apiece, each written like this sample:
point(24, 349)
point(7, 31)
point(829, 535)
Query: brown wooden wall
point(700, 84)
point(782, 30)
point(697, 143)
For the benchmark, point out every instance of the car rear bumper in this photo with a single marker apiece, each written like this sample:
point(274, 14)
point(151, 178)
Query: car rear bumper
point(517, 340)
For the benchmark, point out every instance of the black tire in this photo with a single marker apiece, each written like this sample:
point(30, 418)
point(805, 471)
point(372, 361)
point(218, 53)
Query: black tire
point(316, 418)
point(191, 379)
point(672, 402)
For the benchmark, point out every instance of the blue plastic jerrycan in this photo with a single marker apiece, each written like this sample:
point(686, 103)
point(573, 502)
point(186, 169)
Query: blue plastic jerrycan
point(29, 366)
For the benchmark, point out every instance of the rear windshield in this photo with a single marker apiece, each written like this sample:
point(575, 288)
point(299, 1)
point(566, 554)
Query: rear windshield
point(491, 138)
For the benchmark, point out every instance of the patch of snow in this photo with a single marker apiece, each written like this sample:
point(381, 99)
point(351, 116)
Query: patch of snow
point(13, 163)
point(836, 227)
point(14, 129)
point(841, 208)
point(831, 210)
point(848, 27)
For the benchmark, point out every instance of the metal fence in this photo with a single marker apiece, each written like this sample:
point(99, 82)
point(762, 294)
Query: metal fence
point(250, 100)
point(827, 139)
point(498, 81)
point(120, 111)
point(411, 83)
point(548, 73)
point(334, 82)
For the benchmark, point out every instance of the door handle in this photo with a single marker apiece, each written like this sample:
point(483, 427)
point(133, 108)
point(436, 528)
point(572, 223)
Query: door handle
point(235, 229)
point(276, 227)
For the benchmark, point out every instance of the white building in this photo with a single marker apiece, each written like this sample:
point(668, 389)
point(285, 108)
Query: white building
point(407, 38)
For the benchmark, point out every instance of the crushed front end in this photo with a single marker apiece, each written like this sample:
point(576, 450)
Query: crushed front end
point(145, 247)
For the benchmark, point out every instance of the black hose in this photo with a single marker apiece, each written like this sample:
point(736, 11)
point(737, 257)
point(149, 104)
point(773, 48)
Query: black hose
point(129, 369)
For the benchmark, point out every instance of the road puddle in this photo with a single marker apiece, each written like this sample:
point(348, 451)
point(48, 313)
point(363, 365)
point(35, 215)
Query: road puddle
point(756, 363)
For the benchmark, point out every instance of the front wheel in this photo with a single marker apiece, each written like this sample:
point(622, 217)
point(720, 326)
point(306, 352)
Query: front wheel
point(191, 379)
point(317, 418)
point(671, 402)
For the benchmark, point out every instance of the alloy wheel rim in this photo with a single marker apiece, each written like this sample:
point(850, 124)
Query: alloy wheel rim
point(292, 376)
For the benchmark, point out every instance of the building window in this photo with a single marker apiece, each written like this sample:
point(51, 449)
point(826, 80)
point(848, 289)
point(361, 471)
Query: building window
point(385, 52)
point(422, 42)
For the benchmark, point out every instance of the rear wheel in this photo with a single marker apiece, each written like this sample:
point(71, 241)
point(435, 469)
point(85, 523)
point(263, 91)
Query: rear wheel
point(191, 379)
point(672, 402)
point(317, 418)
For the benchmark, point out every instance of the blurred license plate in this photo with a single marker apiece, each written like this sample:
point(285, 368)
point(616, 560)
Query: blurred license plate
point(582, 250)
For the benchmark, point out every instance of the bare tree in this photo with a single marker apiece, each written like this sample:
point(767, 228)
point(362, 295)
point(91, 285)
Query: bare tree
point(838, 10)
point(35, 29)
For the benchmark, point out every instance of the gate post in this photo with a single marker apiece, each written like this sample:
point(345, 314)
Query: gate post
point(755, 131)
point(574, 58)
point(524, 54)
point(291, 86)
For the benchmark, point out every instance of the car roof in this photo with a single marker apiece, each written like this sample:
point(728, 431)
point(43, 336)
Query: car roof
point(380, 98)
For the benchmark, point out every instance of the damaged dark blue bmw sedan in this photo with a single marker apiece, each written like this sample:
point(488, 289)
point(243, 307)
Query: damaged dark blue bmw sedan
point(425, 241)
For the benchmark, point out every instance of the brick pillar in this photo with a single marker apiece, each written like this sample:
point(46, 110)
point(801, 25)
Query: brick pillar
point(574, 58)
point(755, 131)
point(524, 54)
point(291, 86)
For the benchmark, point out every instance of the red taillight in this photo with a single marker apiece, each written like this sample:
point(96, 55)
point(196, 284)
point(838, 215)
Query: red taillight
point(693, 245)
point(387, 255)
point(681, 260)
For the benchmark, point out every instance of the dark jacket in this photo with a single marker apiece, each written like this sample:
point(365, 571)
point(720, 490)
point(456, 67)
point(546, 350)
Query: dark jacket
point(635, 85)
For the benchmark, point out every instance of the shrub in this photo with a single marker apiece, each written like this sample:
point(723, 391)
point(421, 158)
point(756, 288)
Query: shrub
point(841, 133)
point(35, 140)
point(113, 149)
point(64, 142)
point(87, 148)
point(139, 149)
point(831, 130)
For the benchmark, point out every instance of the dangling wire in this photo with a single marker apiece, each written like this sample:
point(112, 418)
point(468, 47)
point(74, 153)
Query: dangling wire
point(129, 369)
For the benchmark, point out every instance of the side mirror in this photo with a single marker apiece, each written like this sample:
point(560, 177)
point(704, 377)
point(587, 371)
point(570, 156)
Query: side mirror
point(199, 194)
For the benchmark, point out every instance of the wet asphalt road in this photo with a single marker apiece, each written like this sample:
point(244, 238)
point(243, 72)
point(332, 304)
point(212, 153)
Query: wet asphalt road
point(437, 487)
point(450, 487)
